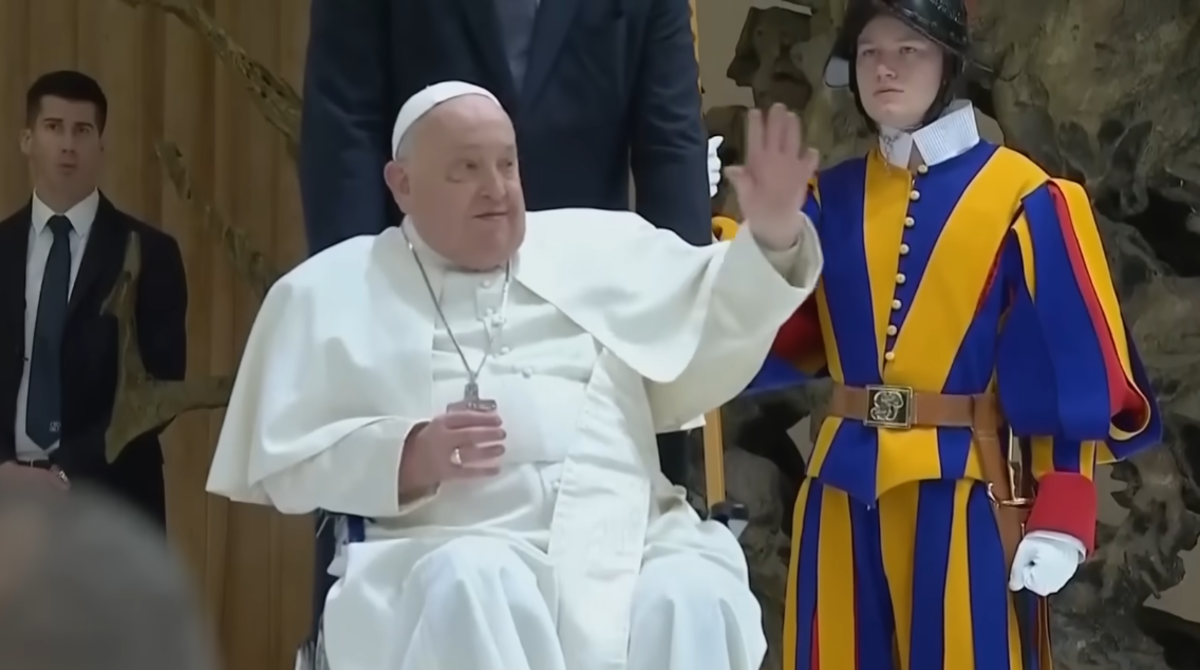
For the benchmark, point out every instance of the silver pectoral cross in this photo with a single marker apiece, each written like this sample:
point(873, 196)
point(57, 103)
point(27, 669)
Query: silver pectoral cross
point(471, 400)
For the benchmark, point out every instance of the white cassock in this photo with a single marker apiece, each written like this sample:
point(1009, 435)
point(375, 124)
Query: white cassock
point(579, 554)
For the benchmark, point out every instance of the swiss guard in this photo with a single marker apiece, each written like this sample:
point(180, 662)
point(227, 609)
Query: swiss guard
point(966, 313)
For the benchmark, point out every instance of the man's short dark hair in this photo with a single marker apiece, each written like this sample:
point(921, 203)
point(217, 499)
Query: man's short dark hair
point(69, 85)
point(87, 584)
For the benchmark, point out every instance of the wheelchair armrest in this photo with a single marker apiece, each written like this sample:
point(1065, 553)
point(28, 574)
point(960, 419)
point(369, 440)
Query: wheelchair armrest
point(734, 515)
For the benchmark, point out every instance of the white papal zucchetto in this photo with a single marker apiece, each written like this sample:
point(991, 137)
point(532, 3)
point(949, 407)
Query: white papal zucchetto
point(432, 96)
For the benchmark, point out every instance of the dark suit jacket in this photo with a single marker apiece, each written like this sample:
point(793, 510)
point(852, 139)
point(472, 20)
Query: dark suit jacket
point(610, 85)
point(90, 349)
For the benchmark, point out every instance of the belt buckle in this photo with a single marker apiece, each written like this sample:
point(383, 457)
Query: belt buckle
point(889, 407)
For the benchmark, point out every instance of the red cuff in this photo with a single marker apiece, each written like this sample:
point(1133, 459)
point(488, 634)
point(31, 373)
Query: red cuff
point(1066, 503)
point(800, 334)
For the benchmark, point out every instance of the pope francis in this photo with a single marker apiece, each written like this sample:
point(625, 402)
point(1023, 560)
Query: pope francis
point(483, 385)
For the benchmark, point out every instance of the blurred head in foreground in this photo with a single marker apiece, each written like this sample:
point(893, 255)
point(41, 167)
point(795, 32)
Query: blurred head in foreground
point(86, 585)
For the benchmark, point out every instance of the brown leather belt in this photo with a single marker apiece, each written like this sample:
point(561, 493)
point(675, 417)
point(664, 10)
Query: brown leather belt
point(902, 408)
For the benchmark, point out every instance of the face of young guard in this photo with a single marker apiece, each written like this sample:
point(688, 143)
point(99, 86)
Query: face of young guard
point(899, 72)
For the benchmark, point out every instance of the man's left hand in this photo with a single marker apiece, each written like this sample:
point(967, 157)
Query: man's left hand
point(1045, 562)
point(773, 184)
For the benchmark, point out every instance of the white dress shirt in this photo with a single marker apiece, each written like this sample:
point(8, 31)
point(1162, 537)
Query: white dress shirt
point(41, 239)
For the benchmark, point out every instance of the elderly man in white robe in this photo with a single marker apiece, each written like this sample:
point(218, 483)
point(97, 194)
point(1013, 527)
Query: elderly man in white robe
point(483, 385)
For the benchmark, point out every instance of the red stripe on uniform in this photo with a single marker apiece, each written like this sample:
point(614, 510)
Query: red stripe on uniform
point(1123, 397)
point(815, 661)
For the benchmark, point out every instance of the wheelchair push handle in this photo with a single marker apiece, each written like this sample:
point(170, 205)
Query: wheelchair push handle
point(734, 515)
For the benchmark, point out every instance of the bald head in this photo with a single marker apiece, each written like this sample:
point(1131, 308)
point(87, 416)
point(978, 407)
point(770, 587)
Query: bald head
point(456, 176)
point(85, 584)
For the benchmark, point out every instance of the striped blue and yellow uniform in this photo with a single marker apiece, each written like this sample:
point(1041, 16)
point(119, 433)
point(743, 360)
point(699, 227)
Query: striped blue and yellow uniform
point(979, 273)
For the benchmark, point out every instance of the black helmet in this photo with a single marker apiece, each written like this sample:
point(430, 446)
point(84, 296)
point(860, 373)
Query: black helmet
point(943, 21)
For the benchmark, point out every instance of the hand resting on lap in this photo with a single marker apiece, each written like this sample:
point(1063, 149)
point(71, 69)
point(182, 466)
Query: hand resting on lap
point(459, 444)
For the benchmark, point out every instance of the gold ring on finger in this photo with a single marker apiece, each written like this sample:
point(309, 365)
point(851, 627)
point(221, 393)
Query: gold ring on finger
point(456, 457)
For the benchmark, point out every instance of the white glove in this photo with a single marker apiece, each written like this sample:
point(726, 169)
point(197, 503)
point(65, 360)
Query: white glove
point(714, 164)
point(1045, 562)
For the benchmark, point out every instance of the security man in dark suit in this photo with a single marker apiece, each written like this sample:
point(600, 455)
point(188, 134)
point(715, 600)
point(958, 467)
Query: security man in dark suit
point(595, 88)
point(60, 256)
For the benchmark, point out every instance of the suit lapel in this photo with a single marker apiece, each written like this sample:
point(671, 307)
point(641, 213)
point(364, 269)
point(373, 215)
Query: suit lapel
point(481, 20)
point(104, 253)
point(14, 247)
point(554, 19)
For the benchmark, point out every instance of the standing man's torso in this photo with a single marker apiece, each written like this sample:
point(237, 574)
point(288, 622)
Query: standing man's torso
point(571, 109)
point(89, 341)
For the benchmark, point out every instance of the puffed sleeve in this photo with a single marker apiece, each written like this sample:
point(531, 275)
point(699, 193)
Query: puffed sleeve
point(1070, 379)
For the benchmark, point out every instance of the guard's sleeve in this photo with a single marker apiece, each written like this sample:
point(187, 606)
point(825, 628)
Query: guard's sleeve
point(1069, 376)
point(800, 342)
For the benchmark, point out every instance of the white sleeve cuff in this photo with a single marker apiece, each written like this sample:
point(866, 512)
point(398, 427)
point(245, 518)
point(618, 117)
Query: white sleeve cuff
point(801, 263)
point(359, 474)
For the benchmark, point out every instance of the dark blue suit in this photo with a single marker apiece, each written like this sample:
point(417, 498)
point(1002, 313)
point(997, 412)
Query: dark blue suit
point(611, 85)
